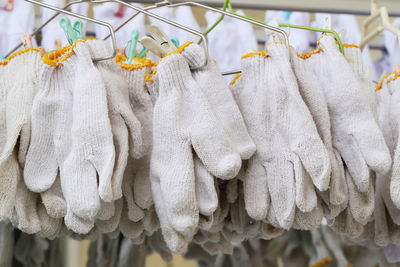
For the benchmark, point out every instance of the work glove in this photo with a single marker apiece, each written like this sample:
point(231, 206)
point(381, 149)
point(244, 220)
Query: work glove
point(184, 119)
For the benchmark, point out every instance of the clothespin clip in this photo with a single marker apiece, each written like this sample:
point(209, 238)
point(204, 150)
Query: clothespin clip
point(175, 41)
point(57, 44)
point(2, 57)
point(27, 40)
point(73, 33)
point(160, 44)
point(120, 12)
point(132, 53)
point(9, 6)
point(286, 15)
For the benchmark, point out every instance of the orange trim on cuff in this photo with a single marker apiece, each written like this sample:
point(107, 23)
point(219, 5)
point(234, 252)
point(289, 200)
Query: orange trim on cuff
point(235, 78)
point(18, 53)
point(143, 62)
point(323, 262)
point(389, 78)
point(56, 58)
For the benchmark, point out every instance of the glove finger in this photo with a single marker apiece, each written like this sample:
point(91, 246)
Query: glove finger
point(338, 186)
point(49, 227)
point(355, 164)
point(53, 200)
point(135, 213)
point(110, 225)
point(217, 92)
point(206, 194)
point(9, 173)
point(281, 185)
point(77, 224)
point(306, 198)
point(174, 240)
point(103, 161)
point(372, 145)
point(129, 228)
point(137, 147)
point(150, 221)
point(361, 204)
point(210, 141)
point(308, 220)
point(79, 185)
point(395, 179)
point(255, 189)
point(107, 210)
point(120, 137)
point(177, 184)
point(25, 211)
point(142, 185)
point(232, 190)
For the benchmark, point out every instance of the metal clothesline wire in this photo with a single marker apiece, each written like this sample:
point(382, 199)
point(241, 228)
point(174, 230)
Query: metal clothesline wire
point(279, 7)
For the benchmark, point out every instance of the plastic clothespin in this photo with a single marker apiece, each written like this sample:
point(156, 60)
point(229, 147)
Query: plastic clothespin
point(2, 57)
point(27, 40)
point(9, 6)
point(175, 41)
point(160, 44)
point(121, 11)
point(132, 52)
point(286, 15)
point(73, 33)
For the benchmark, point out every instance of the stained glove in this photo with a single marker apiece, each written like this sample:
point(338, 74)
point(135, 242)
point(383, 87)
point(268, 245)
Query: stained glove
point(355, 132)
point(183, 116)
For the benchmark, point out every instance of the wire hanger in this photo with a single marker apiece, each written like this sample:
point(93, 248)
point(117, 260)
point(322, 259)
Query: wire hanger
point(76, 16)
point(223, 12)
point(228, 4)
point(384, 23)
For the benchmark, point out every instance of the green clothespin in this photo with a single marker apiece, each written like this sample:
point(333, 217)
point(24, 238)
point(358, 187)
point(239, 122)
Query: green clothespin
point(175, 41)
point(73, 33)
point(2, 57)
point(132, 52)
point(78, 29)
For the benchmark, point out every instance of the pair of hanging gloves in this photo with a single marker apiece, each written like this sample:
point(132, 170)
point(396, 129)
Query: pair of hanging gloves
point(83, 132)
point(357, 139)
point(291, 158)
point(194, 112)
point(19, 84)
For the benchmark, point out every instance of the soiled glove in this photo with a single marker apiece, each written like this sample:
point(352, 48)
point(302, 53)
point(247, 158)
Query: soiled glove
point(184, 119)
point(126, 128)
point(89, 165)
point(271, 109)
point(355, 133)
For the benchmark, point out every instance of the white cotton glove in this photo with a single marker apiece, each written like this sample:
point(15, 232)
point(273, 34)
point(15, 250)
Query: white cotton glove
point(126, 128)
point(393, 88)
point(355, 133)
point(142, 106)
point(218, 94)
point(89, 165)
point(314, 98)
point(259, 107)
point(184, 119)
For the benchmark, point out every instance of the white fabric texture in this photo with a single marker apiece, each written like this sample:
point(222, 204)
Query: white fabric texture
point(15, 23)
point(107, 12)
point(52, 31)
point(299, 39)
point(348, 23)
